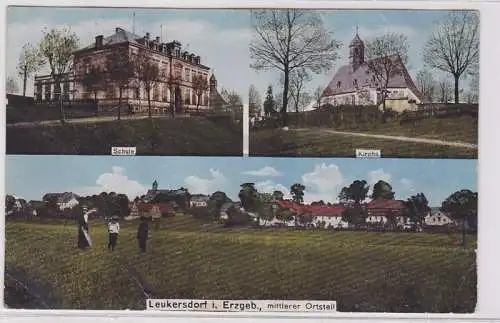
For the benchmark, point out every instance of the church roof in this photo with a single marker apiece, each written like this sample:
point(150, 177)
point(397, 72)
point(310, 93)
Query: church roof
point(356, 41)
point(347, 80)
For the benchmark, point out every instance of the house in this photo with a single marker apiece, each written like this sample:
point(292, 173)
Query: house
point(356, 84)
point(380, 210)
point(66, 200)
point(224, 208)
point(436, 217)
point(176, 87)
point(148, 210)
point(199, 200)
point(179, 196)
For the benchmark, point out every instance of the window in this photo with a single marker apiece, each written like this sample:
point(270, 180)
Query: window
point(338, 84)
point(87, 68)
point(188, 74)
point(355, 82)
point(137, 93)
point(373, 78)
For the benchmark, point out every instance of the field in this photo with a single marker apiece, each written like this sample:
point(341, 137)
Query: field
point(316, 142)
point(383, 272)
point(159, 136)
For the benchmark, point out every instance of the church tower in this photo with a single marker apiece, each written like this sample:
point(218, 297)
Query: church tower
point(356, 52)
point(155, 186)
point(213, 83)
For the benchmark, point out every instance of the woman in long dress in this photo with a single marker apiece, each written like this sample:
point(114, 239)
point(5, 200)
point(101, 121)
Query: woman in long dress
point(83, 230)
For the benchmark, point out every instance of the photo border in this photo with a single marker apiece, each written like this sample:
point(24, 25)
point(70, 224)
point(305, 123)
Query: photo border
point(488, 266)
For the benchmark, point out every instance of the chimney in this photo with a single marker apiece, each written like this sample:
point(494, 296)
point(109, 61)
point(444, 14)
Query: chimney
point(147, 35)
point(98, 41)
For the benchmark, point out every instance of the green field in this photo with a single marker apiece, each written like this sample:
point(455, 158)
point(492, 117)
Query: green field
point(160, 136)
point(383, 272)
point(315, 143)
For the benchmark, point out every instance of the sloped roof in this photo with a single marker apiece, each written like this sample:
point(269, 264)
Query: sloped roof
point(319, 210)
point(386, 204)
point(352, 80)
point(120, 36)
point(147, 207)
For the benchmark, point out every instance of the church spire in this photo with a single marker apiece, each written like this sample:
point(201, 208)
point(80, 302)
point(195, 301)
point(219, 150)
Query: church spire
point(356, 51)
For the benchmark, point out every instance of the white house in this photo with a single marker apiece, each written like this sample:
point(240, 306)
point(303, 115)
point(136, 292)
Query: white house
point(325, 221)
point(67, 201)
point(199, 200)
point(437, 218)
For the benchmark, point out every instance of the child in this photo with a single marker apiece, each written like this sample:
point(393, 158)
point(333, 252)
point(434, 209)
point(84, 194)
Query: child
point(113, 230)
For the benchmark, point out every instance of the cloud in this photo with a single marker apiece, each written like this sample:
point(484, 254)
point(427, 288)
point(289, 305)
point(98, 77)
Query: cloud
point(225, 50)
point(323, 183)
point(269, 187)
point(407, 184)
point(265, 171)
point(200, 185)
point(115, 181)
point(378, 175)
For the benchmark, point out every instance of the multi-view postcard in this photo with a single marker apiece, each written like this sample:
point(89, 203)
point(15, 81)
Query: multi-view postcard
point(323, 235)
point(102, 81)
point(397, 83)
point(381, 217)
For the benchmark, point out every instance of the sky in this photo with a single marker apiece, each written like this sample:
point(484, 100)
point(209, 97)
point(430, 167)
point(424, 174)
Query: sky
point(416, 25)
point(220, 37)
point(30, 177)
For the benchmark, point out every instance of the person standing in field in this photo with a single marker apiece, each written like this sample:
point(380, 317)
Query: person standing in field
point(84, 240)
point(113, 230)
point(142, 234)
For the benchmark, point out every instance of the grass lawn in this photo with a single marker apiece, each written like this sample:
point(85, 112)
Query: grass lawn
point(160, 136)
point(384, 272)
point(316, 143)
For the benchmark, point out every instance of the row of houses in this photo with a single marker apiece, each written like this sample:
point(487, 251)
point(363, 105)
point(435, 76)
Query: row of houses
point(378, 211)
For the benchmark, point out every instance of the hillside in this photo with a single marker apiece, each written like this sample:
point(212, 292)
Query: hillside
point(382, 272)
point(160, 136)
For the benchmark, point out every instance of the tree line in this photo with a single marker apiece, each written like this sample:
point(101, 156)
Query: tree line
point(280, 44)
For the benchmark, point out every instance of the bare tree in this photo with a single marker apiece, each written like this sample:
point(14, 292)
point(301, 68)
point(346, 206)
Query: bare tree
point(445, 90)
point(11, 86)
point(120, 72)
point(148, 73)
point(289, 39)
point(93, 80)
point(30, 61)
point(426, 84)
point(387, 56)
point(57, 46)
point(298, 80)
point(454, 45)
point(200, 86)
point(254, 101)
point(317, 95)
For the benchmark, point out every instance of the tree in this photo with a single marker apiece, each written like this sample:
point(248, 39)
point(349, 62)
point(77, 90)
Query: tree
point(298, 80)
point(93, 81)
point(454, 45)
point(120, 72)
point(278, 195)
point(355, 193)
point(266, 213)
point(269, 103)
point(30, 61)
point(216, 201)
point(57, 46)
point(445, 90)
point(297, 191)
point(354, 216)
point(11, 86)
point(285, 215)
point(317, 95)
point(148, 74)
point(174, 81)
point(231, 97)
point(249, 197)
point(387, 56)
point(382, 189)
point(462, 205)
point(254, 101)
point(200, 86)
point(305, 218)
point(291, 39)
point(10, 201)
point(418, 207)
point(426, 84)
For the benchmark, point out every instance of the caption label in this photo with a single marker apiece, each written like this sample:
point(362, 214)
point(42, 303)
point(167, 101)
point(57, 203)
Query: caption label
point(239, 305)
point(368, 153)
point(123, 151)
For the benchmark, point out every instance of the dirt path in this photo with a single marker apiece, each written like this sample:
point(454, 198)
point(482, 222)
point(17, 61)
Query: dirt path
point(399, 138)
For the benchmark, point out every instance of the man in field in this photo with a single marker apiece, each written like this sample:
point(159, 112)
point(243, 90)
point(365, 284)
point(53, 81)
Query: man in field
point(113, 230)
point(142, 234)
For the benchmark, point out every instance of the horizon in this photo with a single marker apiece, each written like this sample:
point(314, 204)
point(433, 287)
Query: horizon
point(322, 177)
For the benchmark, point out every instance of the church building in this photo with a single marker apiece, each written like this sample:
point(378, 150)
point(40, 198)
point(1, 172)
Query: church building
point(356, 84)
